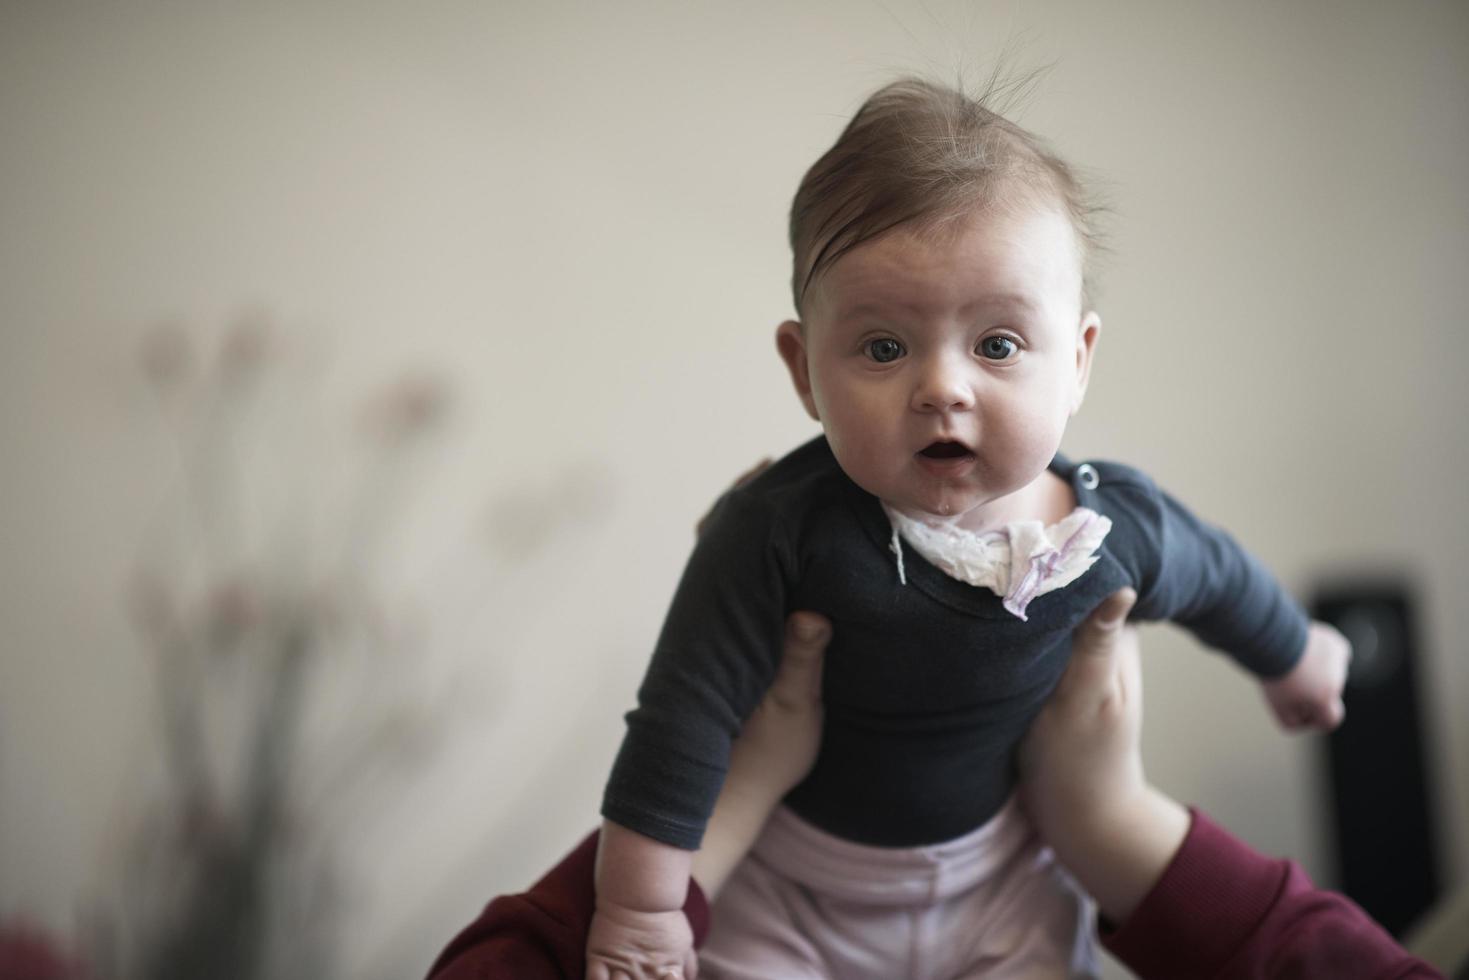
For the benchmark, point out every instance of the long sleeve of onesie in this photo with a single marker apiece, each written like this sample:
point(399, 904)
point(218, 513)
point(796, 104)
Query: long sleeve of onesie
point(714, 660)
point(1196, 575)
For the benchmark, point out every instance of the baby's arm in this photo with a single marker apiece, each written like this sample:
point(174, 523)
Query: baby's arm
point(639, 929)
point(1198, 576)
point(775, 750)
point(714, 660)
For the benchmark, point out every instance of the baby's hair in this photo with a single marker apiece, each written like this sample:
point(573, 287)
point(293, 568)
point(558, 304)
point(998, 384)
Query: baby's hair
point(925, 155)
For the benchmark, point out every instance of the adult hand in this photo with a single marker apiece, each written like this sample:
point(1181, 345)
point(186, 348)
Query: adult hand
point(776, 748)
point(1082, 775)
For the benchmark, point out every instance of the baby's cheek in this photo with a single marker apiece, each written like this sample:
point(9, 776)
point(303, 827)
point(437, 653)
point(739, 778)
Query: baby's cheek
point(1031, 436)
point(856, 456)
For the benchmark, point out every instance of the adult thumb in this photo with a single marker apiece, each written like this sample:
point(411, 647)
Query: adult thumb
point(1095, 643)
point(1109, 617)
point(798, 678)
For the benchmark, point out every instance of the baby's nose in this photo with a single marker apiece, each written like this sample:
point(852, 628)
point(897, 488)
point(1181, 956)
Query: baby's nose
point(943, 387)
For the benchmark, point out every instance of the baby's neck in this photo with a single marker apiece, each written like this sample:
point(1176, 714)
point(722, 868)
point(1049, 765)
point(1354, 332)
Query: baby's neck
point(1048, 499)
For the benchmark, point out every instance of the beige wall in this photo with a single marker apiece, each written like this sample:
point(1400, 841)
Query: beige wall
point(575, 211)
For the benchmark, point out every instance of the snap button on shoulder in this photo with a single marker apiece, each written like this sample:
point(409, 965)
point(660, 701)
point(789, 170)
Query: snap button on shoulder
point(1086, 475)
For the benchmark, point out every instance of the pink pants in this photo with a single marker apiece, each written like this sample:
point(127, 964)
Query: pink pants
point(806, 905)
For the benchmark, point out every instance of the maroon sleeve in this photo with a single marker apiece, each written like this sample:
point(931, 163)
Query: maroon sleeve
point(542, 934)
point(1222, 909)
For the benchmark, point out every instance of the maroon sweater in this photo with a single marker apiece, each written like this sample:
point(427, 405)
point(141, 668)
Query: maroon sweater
point(1220, 910)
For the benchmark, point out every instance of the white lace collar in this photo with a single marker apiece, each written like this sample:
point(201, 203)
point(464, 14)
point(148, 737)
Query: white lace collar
point(1023, 560)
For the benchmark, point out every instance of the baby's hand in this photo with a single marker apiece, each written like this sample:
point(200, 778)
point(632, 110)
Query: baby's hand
point(629, 944)
point(1310, 695)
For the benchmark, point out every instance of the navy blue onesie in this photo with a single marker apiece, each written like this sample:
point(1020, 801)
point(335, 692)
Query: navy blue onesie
point(929, 686)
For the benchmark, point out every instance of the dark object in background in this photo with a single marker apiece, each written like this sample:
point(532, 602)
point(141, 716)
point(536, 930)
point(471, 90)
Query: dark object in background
point(1387, 860)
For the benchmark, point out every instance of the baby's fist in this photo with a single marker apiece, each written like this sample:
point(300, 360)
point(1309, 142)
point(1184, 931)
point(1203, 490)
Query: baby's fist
point(1310, 695)
point(630, 944)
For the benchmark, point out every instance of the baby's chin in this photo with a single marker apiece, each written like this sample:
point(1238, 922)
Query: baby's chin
point(970, 507)
point(947, 509)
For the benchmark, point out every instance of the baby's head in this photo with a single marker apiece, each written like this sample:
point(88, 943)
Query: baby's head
point(922, 156)
point(940, 279)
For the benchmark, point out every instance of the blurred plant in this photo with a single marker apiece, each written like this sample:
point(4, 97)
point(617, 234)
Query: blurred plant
point(229, 872)
point(288, 686)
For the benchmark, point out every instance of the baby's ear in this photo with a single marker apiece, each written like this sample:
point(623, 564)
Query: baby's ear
point(790, 340)
point(1086, 347)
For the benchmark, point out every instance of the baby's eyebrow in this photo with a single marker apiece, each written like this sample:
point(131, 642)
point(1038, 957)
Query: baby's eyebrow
point(1008, 300)
point(870, 308)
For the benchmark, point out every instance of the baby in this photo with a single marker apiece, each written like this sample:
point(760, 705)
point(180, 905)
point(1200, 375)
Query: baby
point(944, 340)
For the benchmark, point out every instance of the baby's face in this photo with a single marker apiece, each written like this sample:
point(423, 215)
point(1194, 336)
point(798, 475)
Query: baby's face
point(944, 367)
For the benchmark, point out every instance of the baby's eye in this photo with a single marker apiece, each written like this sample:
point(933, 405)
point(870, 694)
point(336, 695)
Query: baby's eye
point(998, 348)
point(884, 349)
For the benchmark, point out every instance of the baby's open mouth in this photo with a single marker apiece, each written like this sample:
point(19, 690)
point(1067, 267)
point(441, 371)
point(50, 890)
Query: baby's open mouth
point(944, 450)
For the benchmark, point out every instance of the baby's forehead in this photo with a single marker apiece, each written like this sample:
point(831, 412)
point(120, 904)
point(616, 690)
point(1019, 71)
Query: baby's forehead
point(1027, 251)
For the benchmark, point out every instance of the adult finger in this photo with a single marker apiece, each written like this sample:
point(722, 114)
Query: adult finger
point(1095, 647)
point(752, 472)
point(740, 481)
point(798, 679)
point(1101, 628)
